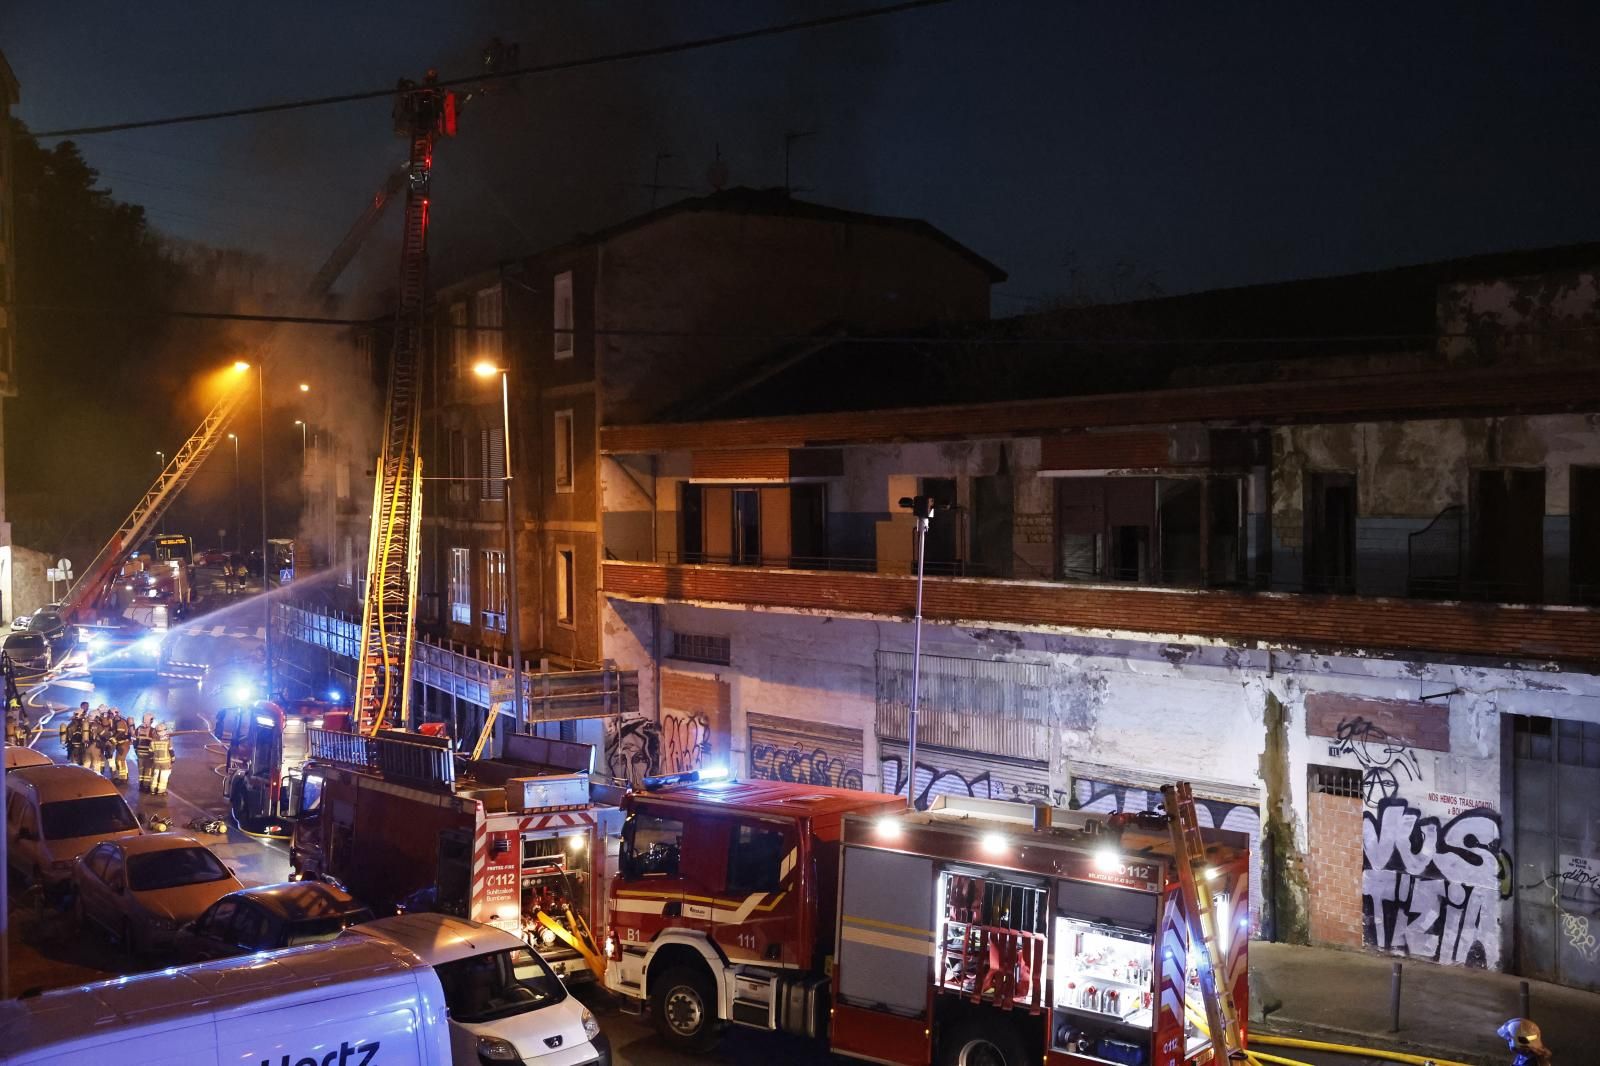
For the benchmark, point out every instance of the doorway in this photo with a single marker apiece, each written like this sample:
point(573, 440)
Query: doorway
point(1556, 848)
point(1330, 532)
point(1507, 538)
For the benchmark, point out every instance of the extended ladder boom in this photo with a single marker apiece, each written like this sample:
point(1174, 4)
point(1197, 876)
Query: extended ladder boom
point(84, 595)
point(1222, 1017)
point(383, 686)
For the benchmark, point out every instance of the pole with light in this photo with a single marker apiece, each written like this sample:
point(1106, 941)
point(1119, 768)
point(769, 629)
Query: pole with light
point(238, 534)
point(921, 508)
point(302, 425)
point(261, 427)
point(485, 369)
point(161, 459)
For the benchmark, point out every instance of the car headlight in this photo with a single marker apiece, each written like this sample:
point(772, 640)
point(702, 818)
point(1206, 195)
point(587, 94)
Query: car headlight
point(493, 1049)
point(591, 1024)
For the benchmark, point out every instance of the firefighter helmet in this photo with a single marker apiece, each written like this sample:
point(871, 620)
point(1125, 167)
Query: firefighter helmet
point(1520, 1034)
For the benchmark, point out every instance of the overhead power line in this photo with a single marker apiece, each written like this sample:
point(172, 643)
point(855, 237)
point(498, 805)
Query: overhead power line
point(540, 68)
point(1007, 340)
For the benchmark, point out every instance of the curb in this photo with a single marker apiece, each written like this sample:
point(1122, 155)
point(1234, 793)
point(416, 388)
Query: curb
point(1277, 1025)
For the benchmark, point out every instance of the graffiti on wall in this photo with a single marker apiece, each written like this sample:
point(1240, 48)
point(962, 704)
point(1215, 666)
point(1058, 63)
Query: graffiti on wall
point(949, 773)
point(1430, 890)
point(1387, 762)
point(685, 740)
point(633, 749)
point(1109, 797)
point(811, 753)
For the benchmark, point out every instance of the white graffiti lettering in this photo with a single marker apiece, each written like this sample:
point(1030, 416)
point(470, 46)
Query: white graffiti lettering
point(1429, 891)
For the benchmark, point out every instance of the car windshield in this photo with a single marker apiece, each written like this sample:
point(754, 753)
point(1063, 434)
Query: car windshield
point(316, 930)
point(24, 644)
point(91, 816)
point(173, 868)
point(498, 985)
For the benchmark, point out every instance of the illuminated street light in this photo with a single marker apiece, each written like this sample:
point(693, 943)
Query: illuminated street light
point(485, 369)
point(240, 366)
point(304, 387)
point(302, 425)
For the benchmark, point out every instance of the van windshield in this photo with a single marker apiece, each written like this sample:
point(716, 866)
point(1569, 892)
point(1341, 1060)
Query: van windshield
point(91, 816)
point(498, 985)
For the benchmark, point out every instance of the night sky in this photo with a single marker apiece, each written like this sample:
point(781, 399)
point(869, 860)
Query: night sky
point(1188, 145)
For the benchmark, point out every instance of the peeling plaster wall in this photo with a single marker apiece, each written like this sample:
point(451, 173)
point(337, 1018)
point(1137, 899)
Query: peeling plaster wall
point(1407, 472)
point(1158, 712)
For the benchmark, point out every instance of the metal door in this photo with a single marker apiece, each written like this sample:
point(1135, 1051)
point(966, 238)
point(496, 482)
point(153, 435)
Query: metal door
point(1556, 842)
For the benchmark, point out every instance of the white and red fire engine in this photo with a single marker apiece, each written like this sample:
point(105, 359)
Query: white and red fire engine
point(977, 931)
point(517, 842)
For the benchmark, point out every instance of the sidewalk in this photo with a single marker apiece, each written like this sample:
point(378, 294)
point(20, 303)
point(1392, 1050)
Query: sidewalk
point(1451, 1011)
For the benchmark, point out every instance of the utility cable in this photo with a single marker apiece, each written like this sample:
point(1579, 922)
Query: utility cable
point(529, 71)
point(1007, 340)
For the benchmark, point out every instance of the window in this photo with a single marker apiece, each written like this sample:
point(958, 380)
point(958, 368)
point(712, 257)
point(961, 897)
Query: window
point(341, 479)
point(492, 462)
point(174, 868)
point(215, 921)
point(347, 557)
point(494, 590)
point(249, 927)
point(460, 587)
point(455, 341)
point(501, 984)
point(1174, 531)
point(1584, 552)
point(566, 598)
point(700, 648)
point(747, 527)
point(1334, 780)
point(456, 466)
point(1330, 532)
point(563, 451)
point(1506, 538)
point(650, 846)
point(562, 315)
point(488, 320)
point(755, 858)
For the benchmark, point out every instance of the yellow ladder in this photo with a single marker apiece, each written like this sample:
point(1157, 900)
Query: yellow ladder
point(1222, 1019)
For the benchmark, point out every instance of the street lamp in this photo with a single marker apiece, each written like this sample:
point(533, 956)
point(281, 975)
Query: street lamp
point(302, 425)
point(921, 508)
point(161, 458)
point(304, 387)
point(486, 369)
point(240, 366)
point(238, 538)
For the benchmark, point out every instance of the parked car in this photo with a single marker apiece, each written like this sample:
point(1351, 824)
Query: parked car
point(142, 890)
point(268, 917)
point(18, 757)
point(21, 622)
point(352, 1003)
point(56, 813)
point(122, 647)
point(505, 1003)
point(30, 652)
point(212, 557)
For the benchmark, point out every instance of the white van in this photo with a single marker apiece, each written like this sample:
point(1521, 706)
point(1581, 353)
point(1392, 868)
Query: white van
point(56, 813)
point(505, 1002)
point(363, 1003)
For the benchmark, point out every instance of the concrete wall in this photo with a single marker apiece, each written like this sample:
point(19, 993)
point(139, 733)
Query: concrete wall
point(1407, 472)
point(1419, 857)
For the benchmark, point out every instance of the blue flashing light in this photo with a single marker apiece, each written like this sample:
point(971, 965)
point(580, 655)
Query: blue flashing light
point(242, 693)
point(334, 695)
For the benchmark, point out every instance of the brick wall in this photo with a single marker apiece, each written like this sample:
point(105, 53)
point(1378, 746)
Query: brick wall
point(1333, 869)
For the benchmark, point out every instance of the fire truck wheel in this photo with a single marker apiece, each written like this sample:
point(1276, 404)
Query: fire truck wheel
point(683, 1005)
point(972, 1043)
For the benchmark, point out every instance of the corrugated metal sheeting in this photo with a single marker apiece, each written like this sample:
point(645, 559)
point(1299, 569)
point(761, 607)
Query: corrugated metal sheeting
point(979, 705)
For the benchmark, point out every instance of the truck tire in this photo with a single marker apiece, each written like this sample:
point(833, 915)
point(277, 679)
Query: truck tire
point(684, 1005)
point(989, 1042)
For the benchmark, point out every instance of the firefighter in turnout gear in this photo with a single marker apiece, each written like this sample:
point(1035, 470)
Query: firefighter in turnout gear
point(160, 759)
point(14, 727)
point(75, 734)
point(96, 740)
point(121, 739)
point(142, 738)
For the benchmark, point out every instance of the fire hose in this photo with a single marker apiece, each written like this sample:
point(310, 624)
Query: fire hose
point(1258, 1057)
point(597, 962)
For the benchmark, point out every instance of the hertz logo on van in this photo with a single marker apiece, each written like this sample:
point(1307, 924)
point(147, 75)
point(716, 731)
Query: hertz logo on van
point(343, 1055)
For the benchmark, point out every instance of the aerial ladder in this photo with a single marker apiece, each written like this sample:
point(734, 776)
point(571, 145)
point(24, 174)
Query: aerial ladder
point(1222, 1017)
point(383, 683)
point(85, 595)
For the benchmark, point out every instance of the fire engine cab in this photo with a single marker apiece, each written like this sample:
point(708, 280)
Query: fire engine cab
point(266, 748)
point(516, 842)
point(976, 931)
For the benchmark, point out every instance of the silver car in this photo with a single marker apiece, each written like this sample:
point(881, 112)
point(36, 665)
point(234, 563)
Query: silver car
point(141, 890)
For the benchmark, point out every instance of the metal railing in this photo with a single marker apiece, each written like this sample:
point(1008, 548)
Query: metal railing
point(550, 693)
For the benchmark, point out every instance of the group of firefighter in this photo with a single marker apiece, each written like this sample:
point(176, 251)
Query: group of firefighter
point(103, 739)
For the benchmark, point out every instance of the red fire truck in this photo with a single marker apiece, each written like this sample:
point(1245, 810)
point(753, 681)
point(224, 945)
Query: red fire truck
point(266, 748)
point(977, 931)
point(517, 842)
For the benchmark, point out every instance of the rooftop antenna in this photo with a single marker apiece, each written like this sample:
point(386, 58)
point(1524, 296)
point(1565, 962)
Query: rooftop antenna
point(655, 185)
point(788, 149)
